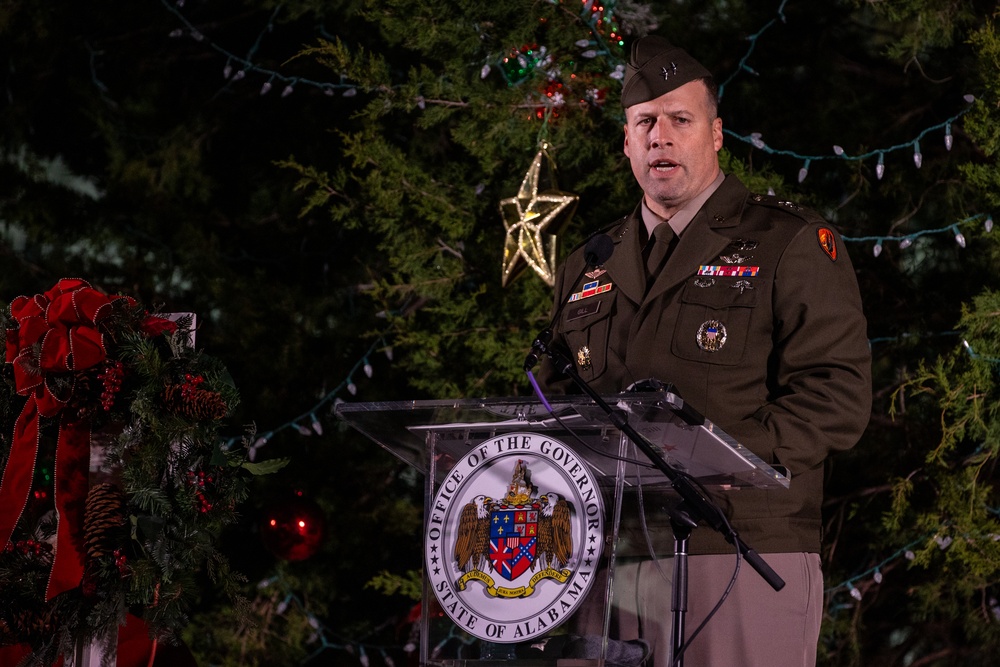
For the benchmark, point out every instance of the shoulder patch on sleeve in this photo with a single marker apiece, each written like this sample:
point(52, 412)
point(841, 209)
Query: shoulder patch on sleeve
point(828, 242)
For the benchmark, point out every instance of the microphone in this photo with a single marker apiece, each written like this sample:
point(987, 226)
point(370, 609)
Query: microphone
point(597, 251)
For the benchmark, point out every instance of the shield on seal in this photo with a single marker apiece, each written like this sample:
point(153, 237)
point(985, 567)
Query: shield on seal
point(513, 539)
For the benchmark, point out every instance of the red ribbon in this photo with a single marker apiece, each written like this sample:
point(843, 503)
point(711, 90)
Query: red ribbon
point(56, 333)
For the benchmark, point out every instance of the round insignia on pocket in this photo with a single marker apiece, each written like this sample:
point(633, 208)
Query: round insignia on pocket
point(583, 358)
point(711, 336)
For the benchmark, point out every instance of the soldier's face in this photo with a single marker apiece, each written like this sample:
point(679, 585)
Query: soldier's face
point(672, 142)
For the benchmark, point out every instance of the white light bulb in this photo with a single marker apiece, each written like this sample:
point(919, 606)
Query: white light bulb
point(880, 167)
point(485, 71)
point(905, 243)
point(757, 139)
point(960, 239)
point(352, 388)
point(988, 225)
point(838, 150)
point(266, 88)
point(368, 369)
point(877, 250)
point(287, 91)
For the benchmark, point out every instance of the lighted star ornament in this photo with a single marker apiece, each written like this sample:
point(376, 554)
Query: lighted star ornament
point(532, 219)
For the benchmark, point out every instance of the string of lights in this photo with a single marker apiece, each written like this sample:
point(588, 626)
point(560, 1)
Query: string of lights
point(238, 67)
point(875, 572)
point(309, 423)
point(742, 65)
point(321, 635)
point(907, 240)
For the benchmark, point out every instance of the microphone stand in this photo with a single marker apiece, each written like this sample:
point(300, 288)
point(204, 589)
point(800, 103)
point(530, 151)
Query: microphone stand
point(694, 504)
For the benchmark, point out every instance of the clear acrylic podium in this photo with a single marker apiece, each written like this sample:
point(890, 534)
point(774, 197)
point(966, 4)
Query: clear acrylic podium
point(439, 437)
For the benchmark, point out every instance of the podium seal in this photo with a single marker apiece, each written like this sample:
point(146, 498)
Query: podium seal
point(514, 537)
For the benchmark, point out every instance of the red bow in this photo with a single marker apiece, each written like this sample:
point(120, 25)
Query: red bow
point(57, 333)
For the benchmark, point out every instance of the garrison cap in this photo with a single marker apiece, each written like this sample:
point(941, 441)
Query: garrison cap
point(657, 67)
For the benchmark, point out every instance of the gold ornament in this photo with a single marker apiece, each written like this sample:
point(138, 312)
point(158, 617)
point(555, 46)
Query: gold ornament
point(532, 220)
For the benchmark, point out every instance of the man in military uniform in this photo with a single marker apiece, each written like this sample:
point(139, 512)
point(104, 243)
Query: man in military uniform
point(750, 307)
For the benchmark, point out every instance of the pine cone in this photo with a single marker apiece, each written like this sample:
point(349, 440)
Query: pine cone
point(27, 625)
point(81, 401)
point(104, 520)
point(195, 403)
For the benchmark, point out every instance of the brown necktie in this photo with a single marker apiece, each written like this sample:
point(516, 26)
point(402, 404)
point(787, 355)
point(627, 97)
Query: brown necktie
point(657, 250)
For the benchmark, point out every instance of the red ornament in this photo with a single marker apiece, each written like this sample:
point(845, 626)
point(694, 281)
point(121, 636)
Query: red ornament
point(293, 529)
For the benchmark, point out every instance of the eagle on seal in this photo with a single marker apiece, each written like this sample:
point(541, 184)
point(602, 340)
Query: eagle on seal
point(555, 541)
point(472, 545)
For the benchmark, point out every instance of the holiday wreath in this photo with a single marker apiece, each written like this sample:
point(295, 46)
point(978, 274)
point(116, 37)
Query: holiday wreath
point(115, 482)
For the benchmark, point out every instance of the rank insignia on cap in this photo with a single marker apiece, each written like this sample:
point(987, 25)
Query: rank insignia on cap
point(827, 242)
point(711, 335)
point(583, 358)
point(730, 270)
point(589, 290)
point(669, 71)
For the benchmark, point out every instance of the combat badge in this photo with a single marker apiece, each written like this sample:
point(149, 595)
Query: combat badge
point(583, 358)
point(743, 244)
point(827, 242)
point(711, 336)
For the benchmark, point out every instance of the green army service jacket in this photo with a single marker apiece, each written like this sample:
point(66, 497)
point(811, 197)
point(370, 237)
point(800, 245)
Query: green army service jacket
point(757, 321)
